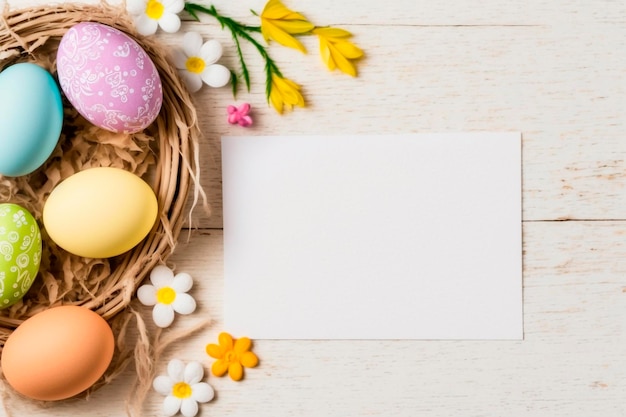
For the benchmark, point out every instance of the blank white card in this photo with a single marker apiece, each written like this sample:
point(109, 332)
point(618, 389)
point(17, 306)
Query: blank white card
point(413, 236)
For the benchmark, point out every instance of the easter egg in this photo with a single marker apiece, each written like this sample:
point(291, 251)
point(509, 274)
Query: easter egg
point(20, 252)
point(109, 78)
point(31, 118)
point(100, 212)
point(58, 353)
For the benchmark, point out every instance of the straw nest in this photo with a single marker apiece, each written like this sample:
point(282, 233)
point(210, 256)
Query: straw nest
point(165, 155)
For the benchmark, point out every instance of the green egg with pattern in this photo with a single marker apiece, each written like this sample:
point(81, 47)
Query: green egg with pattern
point(20, 252)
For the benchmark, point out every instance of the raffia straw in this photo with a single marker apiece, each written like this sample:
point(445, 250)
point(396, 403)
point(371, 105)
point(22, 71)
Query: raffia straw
point(166, 154)
point(147, 353)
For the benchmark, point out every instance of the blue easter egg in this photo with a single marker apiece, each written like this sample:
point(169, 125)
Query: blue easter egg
point(31, 118)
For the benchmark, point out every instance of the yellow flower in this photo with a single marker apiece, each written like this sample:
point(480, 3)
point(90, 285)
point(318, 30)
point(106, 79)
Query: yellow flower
point(284, 94)
point(279, 23)
point(232, 355)
point(336, 50)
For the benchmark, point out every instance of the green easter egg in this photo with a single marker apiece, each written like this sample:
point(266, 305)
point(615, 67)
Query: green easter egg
point(20, 252)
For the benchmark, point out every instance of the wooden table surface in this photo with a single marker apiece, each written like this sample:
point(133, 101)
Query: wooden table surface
point(554, 70)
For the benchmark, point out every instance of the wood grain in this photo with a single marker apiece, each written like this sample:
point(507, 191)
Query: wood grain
point(570, 363)
point(566, 96)
point(552, 70)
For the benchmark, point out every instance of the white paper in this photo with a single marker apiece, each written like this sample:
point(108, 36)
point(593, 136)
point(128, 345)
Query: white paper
point(413, 236)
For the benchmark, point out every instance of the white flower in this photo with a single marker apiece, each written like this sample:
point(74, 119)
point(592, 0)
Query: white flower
point(168, 294)
point(150, 14)
point(182, 388)
point(196, 62)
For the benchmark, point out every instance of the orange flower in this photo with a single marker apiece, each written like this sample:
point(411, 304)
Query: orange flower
point(232, 355)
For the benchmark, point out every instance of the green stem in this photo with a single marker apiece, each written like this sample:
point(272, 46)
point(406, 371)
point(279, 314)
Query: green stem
point(270, 65)
point(242, 62)
point(239, 30)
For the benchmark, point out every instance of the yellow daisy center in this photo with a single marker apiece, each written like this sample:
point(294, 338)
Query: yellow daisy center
point(195, 65)
point(166, 295)
point(154, 9)
point(181, 390)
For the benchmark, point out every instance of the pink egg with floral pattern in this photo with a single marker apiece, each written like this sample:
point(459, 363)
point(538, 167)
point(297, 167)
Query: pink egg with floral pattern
point(109, 78)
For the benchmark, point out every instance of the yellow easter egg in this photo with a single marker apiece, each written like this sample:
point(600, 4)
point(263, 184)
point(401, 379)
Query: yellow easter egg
point(100, 212)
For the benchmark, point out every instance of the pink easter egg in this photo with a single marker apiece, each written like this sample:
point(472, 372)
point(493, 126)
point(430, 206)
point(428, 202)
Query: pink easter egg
point(109, 78)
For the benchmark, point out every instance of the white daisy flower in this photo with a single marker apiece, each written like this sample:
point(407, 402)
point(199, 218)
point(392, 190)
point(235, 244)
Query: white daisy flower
point(168, 294)
point(182, 388)
point(150, 14)
point(196, 62)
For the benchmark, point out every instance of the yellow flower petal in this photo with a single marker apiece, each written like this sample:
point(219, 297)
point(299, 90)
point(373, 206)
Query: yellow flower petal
point(219, 367)
point(325, 54)
point(279, 23)
point(242, 345)
point(294, 16)
point(226, 341)
point(271, 31)
point(284, 94)
point(249, 360)
point(332, 32)
point(275, 9)
point(289, 84)
point(289, 91)
point(342, 62)
point(293, 98)
point(284, 84)
point(215, 351)
point(294, 26)
point(349, 50)
point(265, 32)
point(336, 51)
point(276, 100)
point(235, 371)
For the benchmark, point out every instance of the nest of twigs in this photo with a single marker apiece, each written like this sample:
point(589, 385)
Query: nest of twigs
point(165, 155)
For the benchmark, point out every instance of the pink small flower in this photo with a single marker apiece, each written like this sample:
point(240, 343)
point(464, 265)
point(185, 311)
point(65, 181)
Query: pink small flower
point(239, 115)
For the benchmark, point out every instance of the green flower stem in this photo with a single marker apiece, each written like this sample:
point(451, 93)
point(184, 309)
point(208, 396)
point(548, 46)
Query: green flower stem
point(239, 30)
